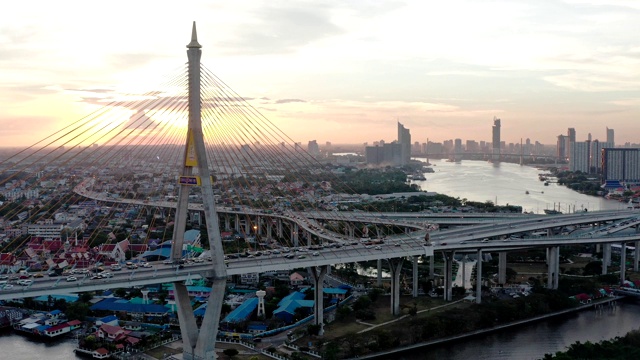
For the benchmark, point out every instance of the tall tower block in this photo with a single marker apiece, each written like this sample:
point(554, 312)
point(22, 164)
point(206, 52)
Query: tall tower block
point(495, 139)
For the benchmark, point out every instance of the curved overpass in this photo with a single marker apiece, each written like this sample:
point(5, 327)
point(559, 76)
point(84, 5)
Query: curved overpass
point(166, 273)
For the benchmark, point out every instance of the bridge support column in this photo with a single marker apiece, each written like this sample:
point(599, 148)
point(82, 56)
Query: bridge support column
point(188, 326)
point(415, 277)
point(279, 230)
point(395, 266)
point(247, 226)
point(636, 256)
point(294, 234)
point(464, 270)
point(448, 276)
point(606, 257)
point(432, 266)
point(236, 225)
point(502, 267)
point(623, 262)
point(227, 223)
point(379, 276)
point(318, 274)
point(553, 267)
point(479, 278)
point(259, 221)
point(198, 343)
point(269, 229)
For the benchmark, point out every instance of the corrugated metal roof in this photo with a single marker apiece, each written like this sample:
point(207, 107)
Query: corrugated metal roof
point(242, 312)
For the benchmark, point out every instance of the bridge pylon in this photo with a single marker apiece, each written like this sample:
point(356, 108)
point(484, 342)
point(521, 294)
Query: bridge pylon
point(197, 343)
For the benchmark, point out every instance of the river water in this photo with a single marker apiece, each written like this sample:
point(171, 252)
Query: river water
point(18, 347)
point(535, 340)
point(477, 181)
point(506, 183)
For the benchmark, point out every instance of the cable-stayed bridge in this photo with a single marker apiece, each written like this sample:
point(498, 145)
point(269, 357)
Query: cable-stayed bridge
point(100, 186)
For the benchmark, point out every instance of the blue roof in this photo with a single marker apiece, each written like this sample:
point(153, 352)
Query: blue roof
point(55, 312)
point(334, 291)
point(191, 235)
point(242, 312)
point(161, 251)
point(194, 288)
point(116, 304)
point(200, 310)
point(293, 296)
point(67, 298)
point(290, 306)
point(108, 318)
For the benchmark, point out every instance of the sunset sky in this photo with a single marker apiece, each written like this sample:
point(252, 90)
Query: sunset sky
point(339, 71)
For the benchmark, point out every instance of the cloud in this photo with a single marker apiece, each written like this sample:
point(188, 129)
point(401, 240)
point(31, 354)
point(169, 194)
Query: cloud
point(280, 28)
point(287, 101)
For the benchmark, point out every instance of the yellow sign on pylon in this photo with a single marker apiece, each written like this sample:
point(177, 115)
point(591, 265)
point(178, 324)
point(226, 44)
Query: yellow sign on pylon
point(191, 159)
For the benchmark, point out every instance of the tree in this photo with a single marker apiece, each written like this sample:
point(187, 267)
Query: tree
point(230, 352)
point(77, 310)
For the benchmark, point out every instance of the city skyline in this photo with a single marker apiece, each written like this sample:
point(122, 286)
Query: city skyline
point(347, 71)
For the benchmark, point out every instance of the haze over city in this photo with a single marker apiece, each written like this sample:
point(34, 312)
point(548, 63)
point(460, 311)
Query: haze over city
point(338, 72)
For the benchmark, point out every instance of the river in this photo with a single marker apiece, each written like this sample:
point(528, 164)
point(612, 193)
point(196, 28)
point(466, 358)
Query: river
point(18, 347)
point(534, 340)
point(506, 183)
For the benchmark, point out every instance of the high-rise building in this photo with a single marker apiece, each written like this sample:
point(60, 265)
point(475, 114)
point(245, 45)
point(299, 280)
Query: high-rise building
point(571, 139)
point(621, 164)
point(387, 154)
point(562, 147)
point(495, 131)
point(610, 138)
point(457, 150)
point(596, 155)
point(312, 148)
point(404, 139)
point(580, 157)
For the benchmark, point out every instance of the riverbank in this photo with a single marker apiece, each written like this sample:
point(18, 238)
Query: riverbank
point(386, 354)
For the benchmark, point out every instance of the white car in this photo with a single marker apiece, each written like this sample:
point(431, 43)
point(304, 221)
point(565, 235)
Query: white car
point(315, 253)
point(72, 278)
point(146, 265)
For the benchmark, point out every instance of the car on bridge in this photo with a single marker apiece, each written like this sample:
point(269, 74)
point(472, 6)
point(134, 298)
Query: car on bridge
point(71, 278)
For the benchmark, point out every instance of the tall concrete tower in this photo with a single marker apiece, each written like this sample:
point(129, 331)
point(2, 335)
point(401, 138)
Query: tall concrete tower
point(404, 139)
point(495, 139)
point(571, 139)
point(198, 343)
point(610, 138)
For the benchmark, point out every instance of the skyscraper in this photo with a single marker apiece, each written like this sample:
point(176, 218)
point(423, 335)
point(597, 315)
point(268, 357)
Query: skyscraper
point(571, 139)
point(621, 164)
point(610, 138)
point(313, 148)
point(496, 139)
point(562, 147)
point(404, 139)
point(580, 157)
